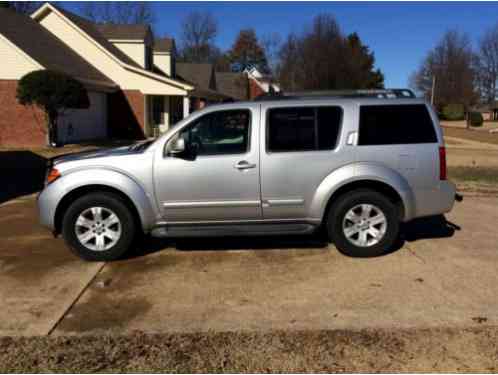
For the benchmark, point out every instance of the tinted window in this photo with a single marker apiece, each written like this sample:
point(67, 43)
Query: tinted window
point(303, 129)
point(217, 133)
point(395, 124)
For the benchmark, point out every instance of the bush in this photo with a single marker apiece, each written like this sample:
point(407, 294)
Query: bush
point(453, 112)
point(53, 92)
point(476, 119)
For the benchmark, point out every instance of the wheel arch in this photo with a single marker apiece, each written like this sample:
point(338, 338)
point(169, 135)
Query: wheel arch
point(81, 191)
point(364, 176)
point(76, 184)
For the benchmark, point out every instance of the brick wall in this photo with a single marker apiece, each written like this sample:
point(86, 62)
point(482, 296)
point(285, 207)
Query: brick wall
point(19, 125)
point(254, 89)
point(126, 114)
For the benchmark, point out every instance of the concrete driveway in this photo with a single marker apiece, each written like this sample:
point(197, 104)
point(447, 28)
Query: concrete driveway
point(442, 275)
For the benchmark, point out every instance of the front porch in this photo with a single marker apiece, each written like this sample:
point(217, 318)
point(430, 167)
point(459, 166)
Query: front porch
point(164, 111)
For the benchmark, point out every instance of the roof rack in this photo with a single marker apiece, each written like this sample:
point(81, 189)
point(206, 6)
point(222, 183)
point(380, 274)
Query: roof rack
point(374, 93)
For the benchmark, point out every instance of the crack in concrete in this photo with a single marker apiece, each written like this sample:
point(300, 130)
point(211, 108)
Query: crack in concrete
point(78, 296)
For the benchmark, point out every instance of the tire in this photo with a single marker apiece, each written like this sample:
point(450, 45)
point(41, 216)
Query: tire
point(360, 226)
point(107, 239)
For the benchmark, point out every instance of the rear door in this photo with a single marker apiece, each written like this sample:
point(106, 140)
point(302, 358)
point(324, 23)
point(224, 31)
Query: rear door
point(301, 145)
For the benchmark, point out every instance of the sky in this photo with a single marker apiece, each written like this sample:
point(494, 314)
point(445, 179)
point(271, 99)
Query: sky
point(399, 33)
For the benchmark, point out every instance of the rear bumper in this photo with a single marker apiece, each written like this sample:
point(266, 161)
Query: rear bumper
point(436, 201)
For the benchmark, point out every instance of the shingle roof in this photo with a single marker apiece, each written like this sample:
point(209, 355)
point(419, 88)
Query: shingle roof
point(118, 31)
point(91, 29)
point(202, 75)
point(234, 85)
point(43, 47)
point(164, 44)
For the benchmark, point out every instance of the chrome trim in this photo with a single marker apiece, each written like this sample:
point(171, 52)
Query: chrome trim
point(207, 204)
point(284, 202)
point(230, 222)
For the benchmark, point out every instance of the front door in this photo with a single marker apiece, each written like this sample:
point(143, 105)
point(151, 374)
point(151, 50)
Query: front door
point(217, 179)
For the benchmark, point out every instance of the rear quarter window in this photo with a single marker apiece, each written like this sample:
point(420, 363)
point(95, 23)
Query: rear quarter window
point(395, 124)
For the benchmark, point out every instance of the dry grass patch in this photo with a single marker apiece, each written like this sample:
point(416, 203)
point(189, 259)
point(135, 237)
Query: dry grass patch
point(427, 350)
point(471, 134)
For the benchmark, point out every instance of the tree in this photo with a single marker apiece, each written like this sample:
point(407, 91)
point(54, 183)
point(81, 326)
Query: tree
point(25, 7)
point(360, 70)
point(271, 44)
point(199, 30)
point(487, 66)
point(119, 12)
point(246, 52)
point(452, 64)
point(321, 58)
point(53, 92)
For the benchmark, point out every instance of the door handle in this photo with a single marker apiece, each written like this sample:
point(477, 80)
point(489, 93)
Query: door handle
point(244, 164)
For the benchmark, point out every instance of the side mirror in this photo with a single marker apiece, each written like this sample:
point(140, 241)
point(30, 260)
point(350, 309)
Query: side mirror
point(178, 147)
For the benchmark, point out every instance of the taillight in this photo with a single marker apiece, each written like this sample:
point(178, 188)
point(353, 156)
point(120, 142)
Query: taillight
point(442, 163)
point(53, 175)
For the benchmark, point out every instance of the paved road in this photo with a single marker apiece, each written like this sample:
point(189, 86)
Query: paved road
point(438, 277)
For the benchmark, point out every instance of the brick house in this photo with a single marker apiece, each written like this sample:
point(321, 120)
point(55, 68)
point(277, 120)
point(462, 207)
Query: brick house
point(114, 62)
point(135, 85)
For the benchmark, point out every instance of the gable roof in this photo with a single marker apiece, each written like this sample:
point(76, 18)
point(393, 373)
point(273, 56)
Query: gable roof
point(234, 85)
point(92, 30)
point(20, 30)
point(89, 31)
point(202, 75)
point(125, 32)
point(164, 44)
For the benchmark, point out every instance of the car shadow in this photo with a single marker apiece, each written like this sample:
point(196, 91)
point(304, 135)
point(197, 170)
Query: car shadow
point(23, 173)
point(418, 229)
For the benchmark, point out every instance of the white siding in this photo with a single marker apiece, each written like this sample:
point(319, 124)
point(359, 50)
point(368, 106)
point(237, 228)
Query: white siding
point(85, 124)
point(136, 51)
point(163, 62)
point(127, 80)
point(14, 63)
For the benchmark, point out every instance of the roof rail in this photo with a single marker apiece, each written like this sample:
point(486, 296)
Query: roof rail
point(367, 93)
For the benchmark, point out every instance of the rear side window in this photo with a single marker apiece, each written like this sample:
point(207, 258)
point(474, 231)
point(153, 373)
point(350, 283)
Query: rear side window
point(303, 128)
point(395, 124)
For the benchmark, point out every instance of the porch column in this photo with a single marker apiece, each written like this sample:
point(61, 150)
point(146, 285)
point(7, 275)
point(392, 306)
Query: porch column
point(186, 106)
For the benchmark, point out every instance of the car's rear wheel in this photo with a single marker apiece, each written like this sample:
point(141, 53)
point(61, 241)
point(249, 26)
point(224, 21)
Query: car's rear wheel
point(363, 223)
point(99, 227)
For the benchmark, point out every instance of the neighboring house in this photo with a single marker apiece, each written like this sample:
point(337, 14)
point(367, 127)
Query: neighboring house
point(204, 78)
point(260, 84)
point(114, 62)
point(247, 85)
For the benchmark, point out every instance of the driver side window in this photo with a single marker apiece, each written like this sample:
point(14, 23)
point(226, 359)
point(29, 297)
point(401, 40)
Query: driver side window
point(219, 133)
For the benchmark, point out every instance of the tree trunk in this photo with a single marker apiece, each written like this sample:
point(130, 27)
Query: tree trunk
point(52, 130)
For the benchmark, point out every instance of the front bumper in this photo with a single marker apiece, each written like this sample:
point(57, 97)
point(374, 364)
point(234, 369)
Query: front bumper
point(47, 203)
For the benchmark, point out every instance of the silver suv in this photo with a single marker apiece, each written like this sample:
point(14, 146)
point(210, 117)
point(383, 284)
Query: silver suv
point(356, 166)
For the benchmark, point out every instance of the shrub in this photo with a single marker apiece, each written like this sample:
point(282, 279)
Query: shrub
point(476, 119)
point(453, 112)
point(53, 92)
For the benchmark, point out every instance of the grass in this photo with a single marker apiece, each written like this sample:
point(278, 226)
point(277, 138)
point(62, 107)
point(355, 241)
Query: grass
point(470, 349)
point(473, 135)
point(488, 175)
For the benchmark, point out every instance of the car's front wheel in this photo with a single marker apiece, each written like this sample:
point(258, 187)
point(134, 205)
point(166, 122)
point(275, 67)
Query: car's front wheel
point(99, 227)
point(363, 223)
